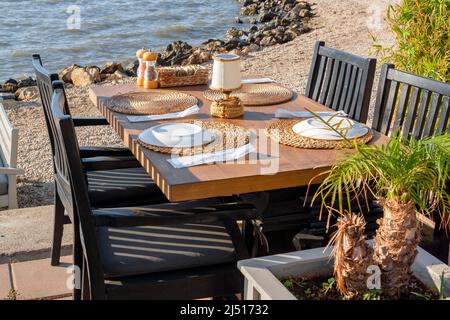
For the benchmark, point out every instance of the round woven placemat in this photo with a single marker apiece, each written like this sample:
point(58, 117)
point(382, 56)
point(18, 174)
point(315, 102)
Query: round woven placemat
point(152, 102)
point(281, 131)
point(228, 136)
point(263, 94)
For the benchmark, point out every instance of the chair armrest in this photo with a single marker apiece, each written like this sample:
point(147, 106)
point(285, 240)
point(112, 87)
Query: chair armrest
point(89, 121)
point(11, 171)
point(150, 217)
point(109, 163)
point(89, 152)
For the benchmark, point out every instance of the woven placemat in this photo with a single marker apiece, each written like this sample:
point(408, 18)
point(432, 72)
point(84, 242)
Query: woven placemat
point(264, 94)
point(281, 131)
point(151, 103)
point(228, 136)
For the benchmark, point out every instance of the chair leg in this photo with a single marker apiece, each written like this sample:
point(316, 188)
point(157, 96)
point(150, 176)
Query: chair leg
point(58, 227)
point(85, 289)
point(78, 260)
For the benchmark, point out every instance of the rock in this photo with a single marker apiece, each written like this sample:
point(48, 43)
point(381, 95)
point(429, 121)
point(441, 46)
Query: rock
point(175, 53)
point(66, 74)
point(111, 67)
point(27, 93)
point(238, 20)
point(213, 45)
point(9, 87)
point(250, 48)
point(199, 56)
point(131, 69)
point(305, 13)
point(7, 96)
point(268, 41)
point(11, 81)
point(249, 10)
point(81, 77)
point(26, 82)
point(94, 72)
point(266, 16)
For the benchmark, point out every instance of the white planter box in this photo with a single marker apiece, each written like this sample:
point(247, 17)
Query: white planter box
point(261, 274)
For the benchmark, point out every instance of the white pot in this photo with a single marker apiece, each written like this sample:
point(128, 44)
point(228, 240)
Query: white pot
point(261, 274)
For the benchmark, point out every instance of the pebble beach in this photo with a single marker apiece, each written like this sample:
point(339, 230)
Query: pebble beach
point(346, 24)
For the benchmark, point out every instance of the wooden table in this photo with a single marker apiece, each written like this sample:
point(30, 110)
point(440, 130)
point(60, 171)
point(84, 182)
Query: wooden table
point(296, 166)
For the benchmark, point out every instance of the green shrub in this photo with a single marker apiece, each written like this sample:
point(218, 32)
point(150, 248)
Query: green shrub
point(421, 29)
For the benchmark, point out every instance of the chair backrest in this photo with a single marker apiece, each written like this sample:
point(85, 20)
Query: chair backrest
point(72, 186)
point(9, 139)
point(417, 106)
point(341, 81)
point(44, 81)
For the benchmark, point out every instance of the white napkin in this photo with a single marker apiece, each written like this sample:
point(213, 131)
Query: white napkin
point(191, 110)
point(283, 113)
point(205, 158)
point(259, 80)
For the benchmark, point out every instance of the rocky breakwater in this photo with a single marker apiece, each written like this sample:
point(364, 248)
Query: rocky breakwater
point(272, 22)
point(25, 89)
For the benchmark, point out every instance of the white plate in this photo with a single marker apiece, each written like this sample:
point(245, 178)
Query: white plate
point(180, 135)
point(314, 128)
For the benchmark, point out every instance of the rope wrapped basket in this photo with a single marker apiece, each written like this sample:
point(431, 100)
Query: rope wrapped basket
point(228, 136)
point(282, 132)
point(182, 76)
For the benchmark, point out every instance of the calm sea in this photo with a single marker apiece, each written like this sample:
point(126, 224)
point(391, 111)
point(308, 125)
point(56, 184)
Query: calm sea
point(96, 31)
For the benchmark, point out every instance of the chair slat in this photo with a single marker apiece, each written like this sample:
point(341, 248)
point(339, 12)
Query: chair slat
point(334, 77)
point(443, 117)
point(326, 81)
point(430, 122)
point(320, 76)
point(340, 85)
point(423, 107)
point(401, 107)
point(350, 92)
point(346, 85)
point(412, 112)
point(356, 96)
point(390, 105)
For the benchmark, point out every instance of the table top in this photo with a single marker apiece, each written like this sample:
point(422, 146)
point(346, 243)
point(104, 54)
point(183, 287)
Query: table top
point(290, 168)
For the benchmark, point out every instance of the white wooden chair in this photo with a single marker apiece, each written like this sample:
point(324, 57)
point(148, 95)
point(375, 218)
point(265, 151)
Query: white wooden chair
point(9, 138)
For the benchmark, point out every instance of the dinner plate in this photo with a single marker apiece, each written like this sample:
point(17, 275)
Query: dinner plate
point(314, 128)
point(179, 135)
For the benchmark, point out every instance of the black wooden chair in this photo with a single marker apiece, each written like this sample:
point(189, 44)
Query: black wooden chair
point(417, 107)
point(341, 81)
point(114, 176)
point(175, 250)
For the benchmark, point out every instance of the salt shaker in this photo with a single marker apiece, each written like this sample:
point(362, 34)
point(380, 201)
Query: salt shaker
point(141, 69)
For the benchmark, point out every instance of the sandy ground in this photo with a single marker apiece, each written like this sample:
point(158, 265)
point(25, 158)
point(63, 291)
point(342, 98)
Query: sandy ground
point(344, 24)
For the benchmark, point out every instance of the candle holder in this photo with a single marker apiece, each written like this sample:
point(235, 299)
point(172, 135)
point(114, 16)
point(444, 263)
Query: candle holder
point(226, 78)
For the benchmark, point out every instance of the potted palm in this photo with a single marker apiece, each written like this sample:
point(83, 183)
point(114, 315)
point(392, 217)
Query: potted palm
point(406, 177)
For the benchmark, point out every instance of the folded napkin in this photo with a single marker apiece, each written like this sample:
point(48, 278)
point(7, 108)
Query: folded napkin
point(180, 114)
point(283, 113)
point(259, 80)
point(211, 157)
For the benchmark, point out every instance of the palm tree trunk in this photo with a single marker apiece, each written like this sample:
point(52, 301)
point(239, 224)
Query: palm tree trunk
point(352, 256)
point(395, 246)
